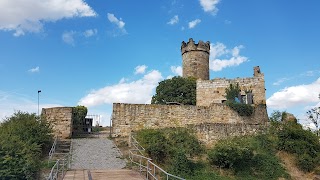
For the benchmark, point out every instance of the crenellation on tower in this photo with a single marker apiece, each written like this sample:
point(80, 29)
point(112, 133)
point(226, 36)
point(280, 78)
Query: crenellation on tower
point(191, 46)
point(195, 59)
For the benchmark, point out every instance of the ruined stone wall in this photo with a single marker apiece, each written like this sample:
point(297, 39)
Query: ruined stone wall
point(213, 91)
point(210, 133)
point(61, 120)
point(127, 118)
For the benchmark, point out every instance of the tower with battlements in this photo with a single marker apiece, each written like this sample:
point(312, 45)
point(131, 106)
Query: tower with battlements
point(195, 59)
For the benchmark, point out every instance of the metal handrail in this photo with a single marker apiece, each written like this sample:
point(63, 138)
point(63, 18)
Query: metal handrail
point(153, 173)
point(53, 148)
point(61, 166)
point(151, 168)
point(136, 144)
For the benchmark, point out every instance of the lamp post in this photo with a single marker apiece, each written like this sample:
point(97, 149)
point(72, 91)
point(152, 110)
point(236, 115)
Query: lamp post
point(39, 91)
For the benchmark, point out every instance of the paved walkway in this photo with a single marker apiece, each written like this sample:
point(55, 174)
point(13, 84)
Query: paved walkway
point(95, 153)
point(118, 174)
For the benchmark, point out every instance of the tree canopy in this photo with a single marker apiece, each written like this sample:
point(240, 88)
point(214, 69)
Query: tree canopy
point(177, 89)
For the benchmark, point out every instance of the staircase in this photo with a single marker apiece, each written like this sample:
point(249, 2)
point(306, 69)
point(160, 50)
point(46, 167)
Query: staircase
point(62, 149)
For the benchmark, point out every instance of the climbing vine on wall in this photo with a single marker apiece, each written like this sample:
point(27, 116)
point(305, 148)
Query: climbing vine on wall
point(232, 95)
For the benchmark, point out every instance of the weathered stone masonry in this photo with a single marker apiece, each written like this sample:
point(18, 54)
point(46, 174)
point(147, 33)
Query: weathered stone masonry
point(213, 91)
point(60, 119)
point(210, 123)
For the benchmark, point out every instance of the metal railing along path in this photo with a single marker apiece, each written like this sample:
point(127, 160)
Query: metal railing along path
point(53, 148)
point(60, 168)
point(153, 171)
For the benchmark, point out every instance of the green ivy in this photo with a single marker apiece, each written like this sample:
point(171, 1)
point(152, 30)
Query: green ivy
point(241, 109)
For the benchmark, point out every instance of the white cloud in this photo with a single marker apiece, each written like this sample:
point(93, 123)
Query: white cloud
point(174, 20)
point(11, 102)
point(23, 16)
point(34, 70)
point(227, 22)
point(210, 6)
point(193, 23)
point(118, 22)
point(231, 57)
point(68, 37)
point(90, 32)
point(295, 95)
point(177, 70)
point(280, 81)
point(140, 69)
point(139, 91)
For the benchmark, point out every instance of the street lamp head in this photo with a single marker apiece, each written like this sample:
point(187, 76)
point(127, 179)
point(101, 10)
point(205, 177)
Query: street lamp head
point(39, 91)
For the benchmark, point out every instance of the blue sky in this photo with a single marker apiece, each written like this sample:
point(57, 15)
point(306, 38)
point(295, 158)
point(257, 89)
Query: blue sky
point(95, 53)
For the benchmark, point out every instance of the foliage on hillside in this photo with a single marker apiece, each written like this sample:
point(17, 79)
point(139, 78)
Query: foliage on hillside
point(181, 154)
point(23, 138)
point(247, 157)
point(177, 89)
point(172, 148)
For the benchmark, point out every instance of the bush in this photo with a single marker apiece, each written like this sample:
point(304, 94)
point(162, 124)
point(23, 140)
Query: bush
point(232, 153)
point(248, 158)
point(294, 139)
point(22, 139)
point(267, 166)
point(155, 144)
point(241, 109)
point(180, 165)
point(306, 163)
point(182, 139)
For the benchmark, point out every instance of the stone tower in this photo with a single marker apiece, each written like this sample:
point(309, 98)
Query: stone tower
point(195, 59)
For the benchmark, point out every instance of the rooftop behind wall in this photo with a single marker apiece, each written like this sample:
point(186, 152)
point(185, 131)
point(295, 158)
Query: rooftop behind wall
point(60, 119)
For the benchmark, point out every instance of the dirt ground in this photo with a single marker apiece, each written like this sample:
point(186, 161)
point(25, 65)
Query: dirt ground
point(289, 163)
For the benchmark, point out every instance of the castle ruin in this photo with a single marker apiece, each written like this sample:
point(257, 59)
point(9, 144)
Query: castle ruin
point(210, 118)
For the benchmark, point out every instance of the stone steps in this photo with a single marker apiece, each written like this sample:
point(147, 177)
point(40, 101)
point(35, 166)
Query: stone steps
point(112, 174)
point(62, 149)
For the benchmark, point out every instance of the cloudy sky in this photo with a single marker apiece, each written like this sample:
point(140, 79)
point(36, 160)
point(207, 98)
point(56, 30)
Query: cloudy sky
point(95, 53)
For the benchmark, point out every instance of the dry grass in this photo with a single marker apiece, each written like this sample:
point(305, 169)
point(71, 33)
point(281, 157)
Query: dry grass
point(288, 161)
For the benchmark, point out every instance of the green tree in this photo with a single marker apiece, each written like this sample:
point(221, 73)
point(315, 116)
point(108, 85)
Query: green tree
point(277, 116)
point(314, 116)
point(232, 92)
point(176, 89)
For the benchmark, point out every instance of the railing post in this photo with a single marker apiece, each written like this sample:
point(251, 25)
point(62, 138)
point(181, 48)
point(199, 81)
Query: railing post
point(147, 169)
point(63, 164)
point(57, 171)
point(130, 141)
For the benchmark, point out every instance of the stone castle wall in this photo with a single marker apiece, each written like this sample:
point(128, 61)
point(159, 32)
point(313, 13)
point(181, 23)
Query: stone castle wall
point(60, 119)
point(210, 133)
point(127, 118)
point(213, 91)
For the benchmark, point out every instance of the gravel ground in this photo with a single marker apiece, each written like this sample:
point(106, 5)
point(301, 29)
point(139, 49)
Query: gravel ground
point(94, 153)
